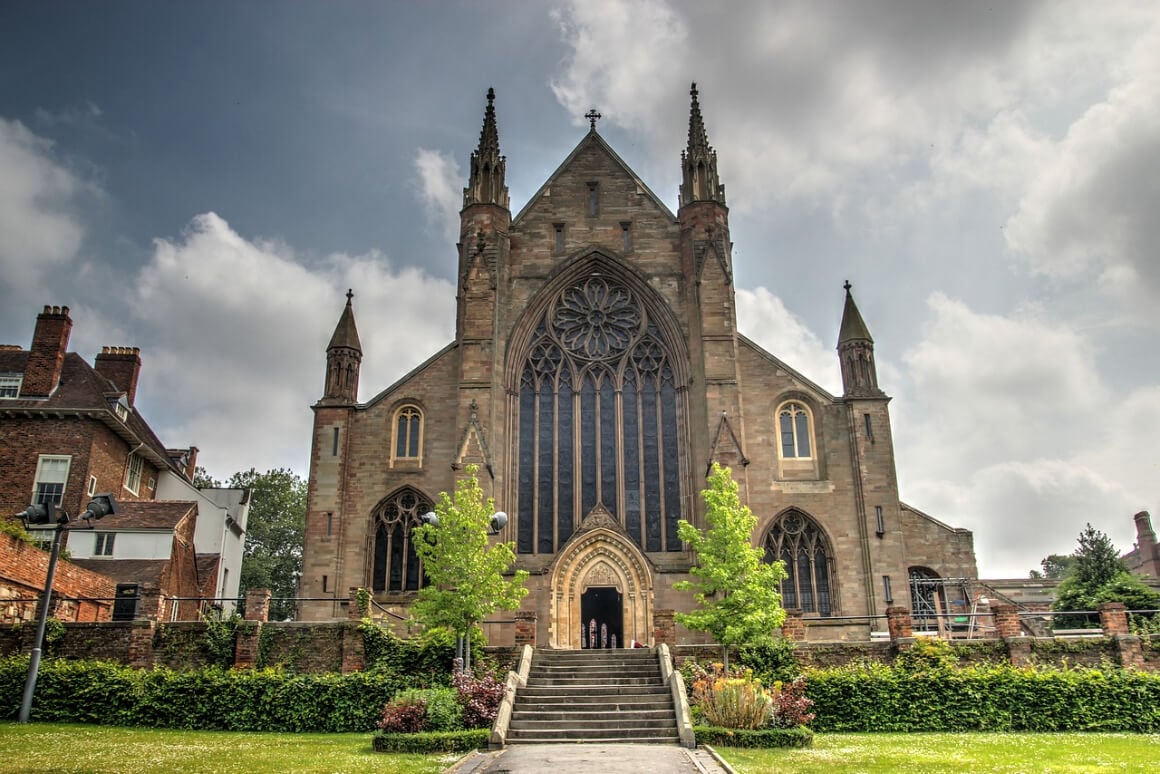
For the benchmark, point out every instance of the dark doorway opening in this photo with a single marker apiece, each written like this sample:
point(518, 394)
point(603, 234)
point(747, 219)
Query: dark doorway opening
point(602, 618)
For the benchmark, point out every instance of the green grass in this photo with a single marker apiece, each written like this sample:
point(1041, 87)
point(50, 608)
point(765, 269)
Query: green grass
point(76, 748)
point(912, 753)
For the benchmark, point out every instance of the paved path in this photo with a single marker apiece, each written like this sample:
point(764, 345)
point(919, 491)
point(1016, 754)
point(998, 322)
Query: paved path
point(603, 758)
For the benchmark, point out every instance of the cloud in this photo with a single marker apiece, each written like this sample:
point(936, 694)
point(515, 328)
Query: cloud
point(1091, 203)
point(440, 191)
point(41, 230)
point(240, 327)
point(762, 317)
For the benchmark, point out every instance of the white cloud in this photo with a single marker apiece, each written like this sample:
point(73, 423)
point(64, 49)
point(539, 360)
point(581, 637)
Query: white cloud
point(762, 317)
point(40, 231)
point(240, 328)
point(440, 190)
point(1091, 204)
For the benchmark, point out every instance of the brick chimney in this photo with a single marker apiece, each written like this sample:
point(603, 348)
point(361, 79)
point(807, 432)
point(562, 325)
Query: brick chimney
point(121, 366)
point(1146, 544)
point(46, 357)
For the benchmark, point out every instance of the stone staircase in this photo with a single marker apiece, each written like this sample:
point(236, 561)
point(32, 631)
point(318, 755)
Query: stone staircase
point(594, 696)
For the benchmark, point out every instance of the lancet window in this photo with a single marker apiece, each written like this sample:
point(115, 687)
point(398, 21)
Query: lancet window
point(395, 565)
point(799, 542)
point(600, 414)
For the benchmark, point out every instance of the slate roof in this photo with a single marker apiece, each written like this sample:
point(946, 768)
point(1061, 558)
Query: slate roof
point(147, 572)
point(133, 515)
point(84, 392)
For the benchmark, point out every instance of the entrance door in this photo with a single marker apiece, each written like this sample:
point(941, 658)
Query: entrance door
point(602, 618)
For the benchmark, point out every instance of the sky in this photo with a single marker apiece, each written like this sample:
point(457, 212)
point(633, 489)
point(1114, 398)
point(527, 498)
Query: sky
point(205, 181)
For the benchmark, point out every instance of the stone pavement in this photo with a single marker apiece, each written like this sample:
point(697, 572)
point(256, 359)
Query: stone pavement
point(603, 758)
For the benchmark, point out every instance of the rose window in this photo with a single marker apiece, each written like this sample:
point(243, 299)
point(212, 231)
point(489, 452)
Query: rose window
point(596, 320)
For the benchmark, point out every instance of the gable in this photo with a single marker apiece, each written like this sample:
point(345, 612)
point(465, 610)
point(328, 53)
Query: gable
point(622, 194)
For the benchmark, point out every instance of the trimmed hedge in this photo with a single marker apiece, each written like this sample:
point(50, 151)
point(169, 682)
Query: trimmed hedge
point(432, 741)
point(761, 737)
point(207, 699)
point(875, 697)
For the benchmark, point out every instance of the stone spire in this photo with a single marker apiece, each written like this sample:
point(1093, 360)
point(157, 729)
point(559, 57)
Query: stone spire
point(856, 353)
point(343, 358)
point(699, 161)
point(486, 185)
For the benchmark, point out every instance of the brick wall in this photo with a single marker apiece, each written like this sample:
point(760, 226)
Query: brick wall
point(23, 568)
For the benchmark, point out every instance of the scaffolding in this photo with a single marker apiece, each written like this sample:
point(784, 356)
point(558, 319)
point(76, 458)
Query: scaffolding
point(957, 608)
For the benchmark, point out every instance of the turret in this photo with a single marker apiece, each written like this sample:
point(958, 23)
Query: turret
point(343, 358)
point(486, 185)
point(856, 353)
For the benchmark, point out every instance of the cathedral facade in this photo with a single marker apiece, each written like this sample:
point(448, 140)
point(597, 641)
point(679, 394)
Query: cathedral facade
point(596, 374)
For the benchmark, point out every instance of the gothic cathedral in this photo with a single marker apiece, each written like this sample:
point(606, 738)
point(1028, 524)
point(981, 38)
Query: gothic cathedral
point(596, 374)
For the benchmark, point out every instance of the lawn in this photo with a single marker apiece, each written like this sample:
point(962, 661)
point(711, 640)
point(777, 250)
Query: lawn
point(56, 747)
point(912, 753)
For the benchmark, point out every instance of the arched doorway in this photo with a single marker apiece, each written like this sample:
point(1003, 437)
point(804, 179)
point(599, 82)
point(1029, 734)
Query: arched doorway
point(600, 575)
point(601, 618)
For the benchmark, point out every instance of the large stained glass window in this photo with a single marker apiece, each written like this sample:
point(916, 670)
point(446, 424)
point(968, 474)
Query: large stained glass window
point(799, 542)
point(600, 416)
point(395, 565)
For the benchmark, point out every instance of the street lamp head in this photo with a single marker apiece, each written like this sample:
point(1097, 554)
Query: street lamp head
point(39, 513)
point(100, 506)
point(498, 521)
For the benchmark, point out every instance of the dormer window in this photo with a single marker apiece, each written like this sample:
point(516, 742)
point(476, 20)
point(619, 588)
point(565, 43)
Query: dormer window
point(10, 385)
point(120, 407)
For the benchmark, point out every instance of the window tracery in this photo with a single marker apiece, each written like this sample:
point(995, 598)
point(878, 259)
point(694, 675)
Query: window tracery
point(599, 411)
point(793, 424)
point(395, 564)
point(408, 433)
point(797, 540)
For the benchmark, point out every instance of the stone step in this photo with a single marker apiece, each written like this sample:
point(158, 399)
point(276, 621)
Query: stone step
point(590, 691)
point(553, 736)
point(594, 655)
point(616, 703)
point(602, 726)
point(582, 717)
point(586, 681)
point(596, 669)
point(597, 740)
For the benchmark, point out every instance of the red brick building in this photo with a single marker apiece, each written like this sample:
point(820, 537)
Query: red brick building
point(596, 374)
point(69, 430)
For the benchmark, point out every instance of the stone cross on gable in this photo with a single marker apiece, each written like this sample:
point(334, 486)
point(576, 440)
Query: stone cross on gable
point(592, 117)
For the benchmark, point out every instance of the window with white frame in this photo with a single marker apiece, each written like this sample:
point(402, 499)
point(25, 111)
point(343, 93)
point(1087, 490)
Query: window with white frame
point(92, 485)
point(10, 385)
point(793, 423)
point(51, 478)
point(104, 545)
point(133, 473)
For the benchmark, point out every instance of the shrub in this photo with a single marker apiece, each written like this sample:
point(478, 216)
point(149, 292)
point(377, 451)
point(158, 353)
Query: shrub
point(730, 699)
point(439, 742)
point(926, 655)
point(772, 661)
point(479, 698)
point(404, 714)
point(791, 706)
point(799, 736)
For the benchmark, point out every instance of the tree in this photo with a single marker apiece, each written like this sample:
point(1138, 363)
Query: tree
point(272, 557)
point(203, 480)
point(465, 570)
point(735, 591)
point(1055, 566)
point(1097, 575)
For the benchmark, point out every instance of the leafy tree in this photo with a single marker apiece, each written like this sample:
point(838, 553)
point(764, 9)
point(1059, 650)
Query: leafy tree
point(203, 480)
point(1055, 566)
point(272, 557)
point(1097, 575)
point(736, 592)
point(464, 569)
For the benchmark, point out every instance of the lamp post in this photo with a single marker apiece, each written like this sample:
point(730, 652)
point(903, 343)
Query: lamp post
point(495, 524)
point(100, 506)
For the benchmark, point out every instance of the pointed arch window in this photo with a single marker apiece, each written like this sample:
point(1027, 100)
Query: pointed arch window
point(395, 565)
point(408, 433)
point(795, 431)
point(600, 412)
point(797, 540)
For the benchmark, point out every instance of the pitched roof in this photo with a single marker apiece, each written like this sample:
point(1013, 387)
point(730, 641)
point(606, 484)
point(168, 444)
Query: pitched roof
point(346, 333)
point(84, 392)
point(147, 572)
point(853, 326)
point(147, 515)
